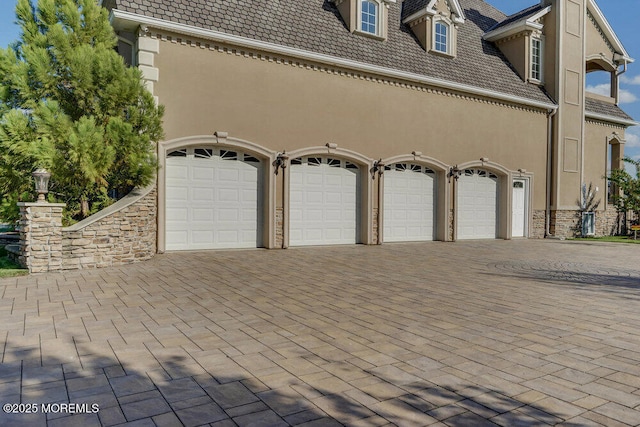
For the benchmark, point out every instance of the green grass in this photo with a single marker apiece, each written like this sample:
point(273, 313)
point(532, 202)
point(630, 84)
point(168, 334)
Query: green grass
point(8, 268)
point(613, 239)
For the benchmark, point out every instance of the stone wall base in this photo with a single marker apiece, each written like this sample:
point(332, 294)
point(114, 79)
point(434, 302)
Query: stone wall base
point(123, 233)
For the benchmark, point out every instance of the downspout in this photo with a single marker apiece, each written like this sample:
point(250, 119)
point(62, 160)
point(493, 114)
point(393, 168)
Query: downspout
point(547, 221)
point(618, 74)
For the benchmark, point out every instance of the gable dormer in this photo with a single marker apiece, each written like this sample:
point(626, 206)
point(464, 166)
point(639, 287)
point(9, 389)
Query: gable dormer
point(520, 37)
point(435, 24)
point(365, 17)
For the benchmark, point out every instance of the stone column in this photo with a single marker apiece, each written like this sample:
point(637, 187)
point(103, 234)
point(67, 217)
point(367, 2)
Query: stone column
point(40, 230)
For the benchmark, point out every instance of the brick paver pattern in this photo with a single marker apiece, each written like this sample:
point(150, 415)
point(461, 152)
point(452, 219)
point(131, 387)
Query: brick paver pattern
point(508, 333)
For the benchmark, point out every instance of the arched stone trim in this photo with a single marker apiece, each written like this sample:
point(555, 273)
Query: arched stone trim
point(220, 139)
point(505, 195)
point(443, 199)
point(365, 165)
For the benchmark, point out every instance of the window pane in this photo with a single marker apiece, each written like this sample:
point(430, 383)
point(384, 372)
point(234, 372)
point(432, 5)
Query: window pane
point(369, 17)
point(536, 47)
point(441, 37)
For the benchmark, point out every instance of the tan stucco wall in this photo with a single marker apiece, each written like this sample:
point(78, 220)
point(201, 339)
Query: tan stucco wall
point(516, 49)
point(596, 149)
point(285, 107)
point(595, 43)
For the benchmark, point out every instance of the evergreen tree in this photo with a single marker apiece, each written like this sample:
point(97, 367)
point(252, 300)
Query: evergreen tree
point(628, 197)
point(69, 103)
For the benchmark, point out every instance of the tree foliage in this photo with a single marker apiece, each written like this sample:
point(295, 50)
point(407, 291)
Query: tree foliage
point(628, 198)
point(69, 103)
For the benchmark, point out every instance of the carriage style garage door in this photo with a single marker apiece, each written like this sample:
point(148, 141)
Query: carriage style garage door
point(409, 206)
point(323, 204)
point(211, 199)
point(477, 205)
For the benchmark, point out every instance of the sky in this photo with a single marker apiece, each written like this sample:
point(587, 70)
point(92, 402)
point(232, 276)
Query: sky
point(623, 15)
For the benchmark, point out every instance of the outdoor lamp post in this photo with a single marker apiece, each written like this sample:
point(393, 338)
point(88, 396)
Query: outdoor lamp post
point(41, 177)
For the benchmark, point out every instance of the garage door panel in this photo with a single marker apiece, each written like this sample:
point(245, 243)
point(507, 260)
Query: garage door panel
point(210, 202)
point(477, 205)
point(177, 194)
point(202, 214)
point(178, 172)
point(323, 202)
point(409, 203)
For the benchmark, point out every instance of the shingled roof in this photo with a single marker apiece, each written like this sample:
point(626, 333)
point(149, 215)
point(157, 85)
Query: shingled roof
point(316, 26)
point(605, 108)
point(523, 15)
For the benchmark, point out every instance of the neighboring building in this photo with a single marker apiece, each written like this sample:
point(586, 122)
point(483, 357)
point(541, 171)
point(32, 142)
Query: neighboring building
point(312, 122)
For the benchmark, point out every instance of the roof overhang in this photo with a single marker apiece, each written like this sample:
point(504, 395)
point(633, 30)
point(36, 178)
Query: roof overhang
point(458, 12)
point(516, 27)
point(128, 20)
point(621, 56)
point(610, 119)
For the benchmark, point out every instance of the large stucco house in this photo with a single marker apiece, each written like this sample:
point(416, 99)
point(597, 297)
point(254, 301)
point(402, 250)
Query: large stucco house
point(320, 122)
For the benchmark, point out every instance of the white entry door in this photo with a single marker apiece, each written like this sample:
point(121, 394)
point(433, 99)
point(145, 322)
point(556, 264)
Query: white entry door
point(323, 203)
point(212, 199)
point(519, 209)
point(477, 205)
point(409, 206)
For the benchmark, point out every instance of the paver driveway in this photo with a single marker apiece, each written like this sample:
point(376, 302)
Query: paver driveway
point(465, 334)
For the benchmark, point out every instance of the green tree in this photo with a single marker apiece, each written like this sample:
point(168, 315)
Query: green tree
point(628, 198)
point(69, 103)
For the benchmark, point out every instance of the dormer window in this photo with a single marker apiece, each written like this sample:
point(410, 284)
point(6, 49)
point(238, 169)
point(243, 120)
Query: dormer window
point(441, 39)
point(365, 17)
point(436, 26)
point(536, 59)
point(369, 17)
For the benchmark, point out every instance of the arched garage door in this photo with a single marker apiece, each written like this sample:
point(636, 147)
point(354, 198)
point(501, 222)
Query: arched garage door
point(409, 203)
point(323, 203)
point(477, 205)
point(212, 199)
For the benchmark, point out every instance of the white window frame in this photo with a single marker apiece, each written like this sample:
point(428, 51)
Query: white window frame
point(378, 7)
point(450, 35)
point(532, 73)
point(447, 42)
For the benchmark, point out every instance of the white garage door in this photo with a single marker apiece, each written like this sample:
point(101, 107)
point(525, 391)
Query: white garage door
point(477, 205)
point(211, 199)
point(409, 205)
point(323, 207)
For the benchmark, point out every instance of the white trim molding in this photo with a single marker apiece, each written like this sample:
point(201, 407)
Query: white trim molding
point(610, 119)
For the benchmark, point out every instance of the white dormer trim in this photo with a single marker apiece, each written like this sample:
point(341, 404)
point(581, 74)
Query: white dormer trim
point(530, 24)
point(621, 54)
point(457, 12)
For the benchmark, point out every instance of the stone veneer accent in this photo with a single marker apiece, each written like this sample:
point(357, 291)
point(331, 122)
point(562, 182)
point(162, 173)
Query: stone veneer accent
point(123, 233)
point(608, 222)
point(375, 234)
point(279, 227)
point(40, 229)
point(565, 223)
point(537, 228)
